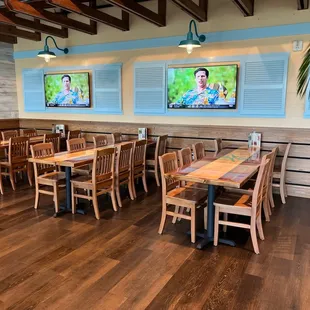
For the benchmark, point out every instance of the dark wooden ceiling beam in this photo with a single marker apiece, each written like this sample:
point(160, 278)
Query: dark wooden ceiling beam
point(27, 9)
point(8, 39)
point(130, 6)
point(93, 14)
point(302, 4)
point(198, 12)
point(15, 32)
point(9, 18)
point(245, 6)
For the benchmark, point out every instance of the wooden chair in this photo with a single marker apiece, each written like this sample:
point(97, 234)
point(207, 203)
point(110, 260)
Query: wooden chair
point(248, 188)
point(123, 170)
point(30, 132)
point(6, 135)
point(198, 150)
point(246, 205)
point(17, 160)
point(139, 164)
point(185, 157)
point(159, 150)
point(101, 182)
point(72, 134)
point(55, 139)
point(174, 194)
point(101, 140)
point(46, 175)
point(116, 137)
point(76, 145)
point(217, 145)
point(279, 174)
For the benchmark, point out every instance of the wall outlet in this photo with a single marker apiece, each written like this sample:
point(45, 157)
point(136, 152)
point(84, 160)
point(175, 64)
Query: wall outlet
point(297, 46)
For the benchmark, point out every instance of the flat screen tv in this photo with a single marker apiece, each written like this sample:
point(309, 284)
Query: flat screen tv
point(202, 87)
point(70, 90)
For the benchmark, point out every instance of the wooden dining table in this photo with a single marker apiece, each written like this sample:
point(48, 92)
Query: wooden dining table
point(229, 168)
point(32, 140)
point(75, 159)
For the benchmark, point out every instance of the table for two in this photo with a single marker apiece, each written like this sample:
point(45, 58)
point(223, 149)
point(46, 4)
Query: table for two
point(229, 168)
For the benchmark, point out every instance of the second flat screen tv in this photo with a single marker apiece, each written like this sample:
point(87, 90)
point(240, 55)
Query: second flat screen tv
point(202, 87)
point(67, 90)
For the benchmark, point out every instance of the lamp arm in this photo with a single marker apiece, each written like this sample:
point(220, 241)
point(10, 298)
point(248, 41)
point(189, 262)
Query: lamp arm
point(50, 37)
point(201, 37)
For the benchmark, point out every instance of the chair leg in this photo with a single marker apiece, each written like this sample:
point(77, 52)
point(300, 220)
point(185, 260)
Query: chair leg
point(29, 173)
point(253, 235)
point(73, 199)
point(282, 191)
point(37, 197)
point(12, 179)
point(205, 218)
point(260, 227)
point(216, 225)
point(144, 182)
point(266, 211)
point(134, 187)
point(271, 201)
point(114, 202)
point(225, 219)
point(157, 175)
point(56, 198)
point(181, 212)
point(118, 195)
point(132, 197)
point(95, 204)
point(163, 219)
point(176, 210)
point(193, 225)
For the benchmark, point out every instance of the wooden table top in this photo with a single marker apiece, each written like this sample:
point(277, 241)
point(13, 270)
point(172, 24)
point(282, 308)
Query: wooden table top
point(32, 140)
point(231, 168)
point(74, 159)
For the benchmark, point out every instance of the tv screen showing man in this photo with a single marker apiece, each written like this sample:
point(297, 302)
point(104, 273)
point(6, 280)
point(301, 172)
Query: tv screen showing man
point(202, 88)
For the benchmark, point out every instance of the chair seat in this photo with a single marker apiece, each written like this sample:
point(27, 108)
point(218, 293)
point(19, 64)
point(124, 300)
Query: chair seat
point(56, 176)
point(188, 194)
point(247, 188)
point(234, 200)
point(82, 179)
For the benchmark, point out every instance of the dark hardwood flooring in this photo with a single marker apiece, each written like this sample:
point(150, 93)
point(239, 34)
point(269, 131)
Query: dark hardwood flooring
point(120, 262)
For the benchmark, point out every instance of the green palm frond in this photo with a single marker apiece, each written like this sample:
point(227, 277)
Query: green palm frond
point(303, 74)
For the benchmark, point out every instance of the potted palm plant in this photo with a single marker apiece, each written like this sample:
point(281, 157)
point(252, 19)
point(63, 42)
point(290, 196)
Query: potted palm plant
point(303, 74)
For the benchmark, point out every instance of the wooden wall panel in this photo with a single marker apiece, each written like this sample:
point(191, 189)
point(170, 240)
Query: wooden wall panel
point(8, 93)
point(298, 169)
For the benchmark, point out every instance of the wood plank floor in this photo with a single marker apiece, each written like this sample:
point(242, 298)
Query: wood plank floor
point(120, 262)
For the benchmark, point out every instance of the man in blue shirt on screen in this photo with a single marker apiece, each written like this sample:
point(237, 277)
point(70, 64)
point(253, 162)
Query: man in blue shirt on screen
point(67, 96)
point(202, 94)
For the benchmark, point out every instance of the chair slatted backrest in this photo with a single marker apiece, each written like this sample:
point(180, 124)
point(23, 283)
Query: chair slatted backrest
point(116, 137)
point(73, 134)
point(18, 149)
point(260, 185)
point(185, 157)
point(30, 132)
point(6, 135)
point(218, 145)
point(100, 141)
point(139, 153)
point(161, 146)
point(168, 164)
point(198, 150)
point(55, 139)
point(77, 144)
point(124, 158)
point(103, 168)
point(42, 150)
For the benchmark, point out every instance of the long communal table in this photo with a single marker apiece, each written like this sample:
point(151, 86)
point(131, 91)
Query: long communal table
point(71, 160)
point(229, 168)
